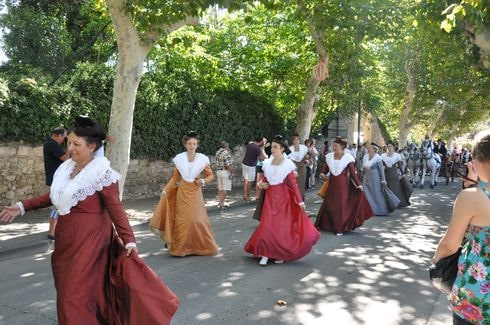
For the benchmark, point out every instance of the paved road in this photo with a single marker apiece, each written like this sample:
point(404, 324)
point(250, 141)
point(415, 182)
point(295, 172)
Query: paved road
point(375, 275)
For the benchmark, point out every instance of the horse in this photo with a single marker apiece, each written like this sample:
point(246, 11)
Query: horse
point(413, 164)
point(430, 162)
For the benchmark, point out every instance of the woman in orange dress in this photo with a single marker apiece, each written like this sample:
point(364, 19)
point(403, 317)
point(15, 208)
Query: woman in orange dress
point(181, 216)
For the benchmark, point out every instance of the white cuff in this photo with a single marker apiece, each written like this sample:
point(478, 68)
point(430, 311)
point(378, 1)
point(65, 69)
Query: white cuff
point(130, 245)
point(21, 207)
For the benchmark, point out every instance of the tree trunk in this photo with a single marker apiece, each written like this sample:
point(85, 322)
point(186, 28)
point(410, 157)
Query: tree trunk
point(405, 124)
point(481, 38)
point(132, 53)
point(306, 112)
point(132, 50)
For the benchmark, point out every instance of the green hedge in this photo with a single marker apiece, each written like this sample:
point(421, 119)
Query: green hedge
point(166, 108)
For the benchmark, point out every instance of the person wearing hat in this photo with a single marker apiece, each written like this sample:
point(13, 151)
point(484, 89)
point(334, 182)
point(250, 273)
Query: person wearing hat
point(345, 206)
point(382, 200)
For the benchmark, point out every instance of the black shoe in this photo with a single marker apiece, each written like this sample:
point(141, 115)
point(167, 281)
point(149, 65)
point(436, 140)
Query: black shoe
point(50, 237)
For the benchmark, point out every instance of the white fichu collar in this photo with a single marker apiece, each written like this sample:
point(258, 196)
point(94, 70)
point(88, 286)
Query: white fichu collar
point(367, 163)
point(337, 166)
point(391, 160)
point(276, 174)
point(66, 192)
point(298, 155)
point(190, 170)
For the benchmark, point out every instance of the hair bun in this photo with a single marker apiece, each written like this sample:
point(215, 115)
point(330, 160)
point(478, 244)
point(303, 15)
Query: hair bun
point(192, 134)
point(83, 121)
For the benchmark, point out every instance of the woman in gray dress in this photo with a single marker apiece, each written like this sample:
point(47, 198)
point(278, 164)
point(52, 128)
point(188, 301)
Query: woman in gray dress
point(381, 199)
point(393, 164)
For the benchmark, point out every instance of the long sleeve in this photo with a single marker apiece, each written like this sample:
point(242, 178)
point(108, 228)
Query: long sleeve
point(171, 185)
point(208, 174)
point(381, 171)
point(325, 169)
point(291, 180)
point(110, 198)
point(353, 175)
point(42, 201)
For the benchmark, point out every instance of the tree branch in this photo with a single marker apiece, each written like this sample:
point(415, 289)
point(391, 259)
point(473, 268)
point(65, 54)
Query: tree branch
point(316, 35)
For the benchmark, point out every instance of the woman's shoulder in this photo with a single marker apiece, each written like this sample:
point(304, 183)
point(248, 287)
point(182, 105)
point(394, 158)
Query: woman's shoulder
point(473, 198)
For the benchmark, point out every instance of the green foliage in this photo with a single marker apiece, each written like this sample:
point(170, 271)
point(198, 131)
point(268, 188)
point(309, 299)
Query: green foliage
point(168, 105)
point(162, 118)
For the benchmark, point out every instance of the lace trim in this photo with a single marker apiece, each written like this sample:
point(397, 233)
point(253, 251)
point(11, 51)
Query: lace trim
point(65, 192)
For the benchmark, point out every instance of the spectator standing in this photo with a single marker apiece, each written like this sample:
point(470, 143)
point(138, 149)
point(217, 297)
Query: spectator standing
point(54, 155)
point(469, 298)
point(314, 155)
point(259, 173)
point(224, 172)
point(249, 163)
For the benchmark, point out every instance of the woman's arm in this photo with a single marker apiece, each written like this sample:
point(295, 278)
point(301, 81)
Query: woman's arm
point(291, 180)
point(172, 181)
point(381, 170)
point(463, 212)
point(353, 175)
point(115, 209)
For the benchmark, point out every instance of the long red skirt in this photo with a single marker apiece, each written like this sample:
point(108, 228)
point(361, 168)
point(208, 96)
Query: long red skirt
point(285, 231)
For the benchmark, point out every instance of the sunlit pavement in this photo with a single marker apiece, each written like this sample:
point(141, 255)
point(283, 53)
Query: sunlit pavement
point(375, 275)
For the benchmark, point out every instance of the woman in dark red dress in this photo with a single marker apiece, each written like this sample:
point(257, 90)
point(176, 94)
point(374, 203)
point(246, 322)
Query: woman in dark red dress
point(345, 206)
point(97, 279)
point(285, 232)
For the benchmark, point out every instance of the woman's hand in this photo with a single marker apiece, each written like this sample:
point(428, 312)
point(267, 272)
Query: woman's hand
point(199, 181)
point(163, 193)
point(263, 185)
point(9, 213)
point(131, 247)
point(384, 183)
point(361, 188)
point(323, 177)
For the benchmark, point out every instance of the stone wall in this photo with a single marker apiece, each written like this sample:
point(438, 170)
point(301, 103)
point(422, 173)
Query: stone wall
point(22, 174)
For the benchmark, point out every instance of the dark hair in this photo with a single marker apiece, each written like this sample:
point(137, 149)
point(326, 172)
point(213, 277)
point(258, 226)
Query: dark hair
point(390, 142)
point(340, 141)
point(58, 131)
point(223, 144)
point(481, 147)
point(190, 135)
point(279, 140)
point(296, 135)
point(90, 130)
point(258, 139)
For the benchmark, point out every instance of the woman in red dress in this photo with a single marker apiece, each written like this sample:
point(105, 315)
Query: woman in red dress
point(285, 232)
point(97, 279)
point(345, 206)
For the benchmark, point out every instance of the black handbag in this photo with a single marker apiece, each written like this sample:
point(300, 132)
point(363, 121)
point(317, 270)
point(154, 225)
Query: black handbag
point(444, 272)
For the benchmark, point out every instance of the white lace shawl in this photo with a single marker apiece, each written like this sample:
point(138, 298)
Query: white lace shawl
point(391, 160)
point(298, 155)
point(66, 192)
point(367, 163)
point(190, 170)
point(276, 174)
point(336, 166)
